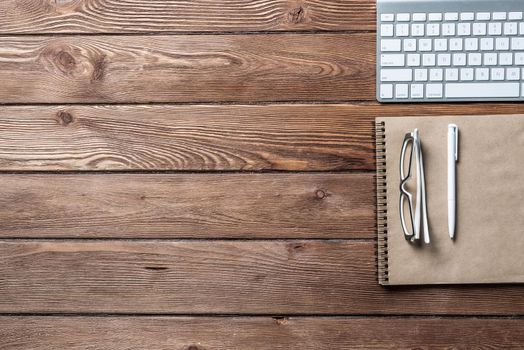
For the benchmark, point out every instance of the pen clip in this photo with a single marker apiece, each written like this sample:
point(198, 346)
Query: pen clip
point(454, 129)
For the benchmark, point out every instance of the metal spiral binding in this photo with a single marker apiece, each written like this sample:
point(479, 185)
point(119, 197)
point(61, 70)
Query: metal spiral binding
point(382, 211)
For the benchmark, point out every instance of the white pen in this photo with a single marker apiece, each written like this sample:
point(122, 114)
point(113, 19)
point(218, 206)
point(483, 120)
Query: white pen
point(452, 177)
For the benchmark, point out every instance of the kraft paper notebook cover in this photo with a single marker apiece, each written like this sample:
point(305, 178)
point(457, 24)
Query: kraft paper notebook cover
point(489, 239)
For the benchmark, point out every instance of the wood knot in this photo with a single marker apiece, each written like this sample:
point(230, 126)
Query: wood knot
point(293, 248)
point(99, 68)
point(64, 118)
point(65, 61)
point(297, 15)
point(320, 194)
point(281, 321)
point(64, 6)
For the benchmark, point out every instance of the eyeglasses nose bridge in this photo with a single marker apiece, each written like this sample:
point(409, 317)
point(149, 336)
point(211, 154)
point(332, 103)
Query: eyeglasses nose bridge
point(403, 189)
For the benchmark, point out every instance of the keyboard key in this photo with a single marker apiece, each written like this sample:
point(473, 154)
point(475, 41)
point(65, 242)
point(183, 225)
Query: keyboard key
point(517, 43)
point(386, 30)
point(433, 29)
point(417, 30)
point(403, 17)
point(519, 58)
point(510, 28)
point(417, 91)
point(459, 59)
point(482, 90)
point(396, 75)
point(474, 59)
point(486, 44)
point(401, 91)
point(419, 17)
point(441, 44)
point(421, 75)
point(515, 16)
point(435, 17)
point(506, 59)
point(392, 60)
point(390, 45)
point(444, 59)
point(502, 44)
point(428, 59)
point(402, 30)
point(482, 74)
point(483, 16)
point(436, 74)
point(387, 17)
point(497, 73)
point(499, 16)
point(451, 16)
point(386, 91)
point(479, 28)
point(451, 74)
point(467, 16)
point(466, 74)
point(490, 59)
point(455, 44)
point(413, 60)
point(521, 28)
point(513, 73)
point(464, 29)
point(448, 29)
point(434, 90)
point(424, 45)
point(471, 44)
point(495, 29)
point(410, 45)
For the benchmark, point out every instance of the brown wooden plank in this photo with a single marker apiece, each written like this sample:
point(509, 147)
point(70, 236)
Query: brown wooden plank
point(204, 333)
point(223, 277)
point(182, 68)
point(138, 16)
point(273, 137)
point(293, 137)
point(187, 205)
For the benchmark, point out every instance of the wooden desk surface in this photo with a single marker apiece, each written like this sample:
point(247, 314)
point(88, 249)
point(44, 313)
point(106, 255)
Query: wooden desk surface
point(198, 175)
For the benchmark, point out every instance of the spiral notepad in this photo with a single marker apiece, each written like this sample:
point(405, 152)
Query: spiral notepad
point(489, 242)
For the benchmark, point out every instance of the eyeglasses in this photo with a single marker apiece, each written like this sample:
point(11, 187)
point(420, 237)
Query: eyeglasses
point(411, 227)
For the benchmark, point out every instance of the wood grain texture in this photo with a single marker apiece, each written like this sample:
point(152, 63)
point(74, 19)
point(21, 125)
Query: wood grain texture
point(194, 68)
point(259, 333)
point(187, 205)
point(139, 16)
point(293, 137)
point(273, 137)
point(223, 277)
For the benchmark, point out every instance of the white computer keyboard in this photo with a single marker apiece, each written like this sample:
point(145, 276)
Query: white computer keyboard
point(445, 51)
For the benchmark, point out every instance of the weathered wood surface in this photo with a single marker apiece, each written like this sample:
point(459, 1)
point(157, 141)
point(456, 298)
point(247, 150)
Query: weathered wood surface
point(186, 68)
point(167, 137)
point(259, 333)
point(291, 137)
point(140, 16)
point(223, 277)
point(319, 205)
